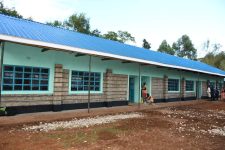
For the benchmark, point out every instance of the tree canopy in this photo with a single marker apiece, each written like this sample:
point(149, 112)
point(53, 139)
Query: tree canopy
point(215, 59)
point(184, 48)
point(164, 47)
point(79, 23)
point(9, 11)
point(120, 36)
point(146, 44)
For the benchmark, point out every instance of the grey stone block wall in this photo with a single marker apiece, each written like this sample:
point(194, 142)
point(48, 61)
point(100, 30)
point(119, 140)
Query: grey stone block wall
point(204, 88)
point(157, 88)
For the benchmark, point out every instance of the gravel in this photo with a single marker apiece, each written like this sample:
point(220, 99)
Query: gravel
point(86, 122)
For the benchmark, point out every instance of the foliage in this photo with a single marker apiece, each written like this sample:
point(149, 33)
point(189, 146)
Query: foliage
point(55, 23)
point(3, 111)
point(166, 48)
point(184, 48)
point(9, 11)
point(79, 23)
point(216, 60)
point(111, 35)
point(146, 44)
point(96, 32)
point(211, 48)
point(124, 36)
point(120, 36)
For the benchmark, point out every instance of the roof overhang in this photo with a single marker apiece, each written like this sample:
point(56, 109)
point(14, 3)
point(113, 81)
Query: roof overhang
point(96, 53)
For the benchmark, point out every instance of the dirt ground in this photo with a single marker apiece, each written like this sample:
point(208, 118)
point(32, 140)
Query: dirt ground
point(179, 125)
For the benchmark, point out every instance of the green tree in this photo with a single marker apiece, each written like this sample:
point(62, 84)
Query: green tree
point(96, 32)
point(146, 44)
point(184, 48)
point(79, 23)
point(111, 35)
point(120, 36)
point(124, 36)
point(55, 23)
point(215, 59)
point(166, 48)
point(9, 11)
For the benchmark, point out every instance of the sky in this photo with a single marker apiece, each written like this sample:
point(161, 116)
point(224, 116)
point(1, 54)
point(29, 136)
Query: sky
point(154, 20)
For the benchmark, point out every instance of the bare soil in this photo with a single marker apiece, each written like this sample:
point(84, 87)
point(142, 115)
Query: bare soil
point(179, 125)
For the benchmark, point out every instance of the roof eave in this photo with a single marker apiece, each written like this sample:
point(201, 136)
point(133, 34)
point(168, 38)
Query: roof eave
point(92, 52)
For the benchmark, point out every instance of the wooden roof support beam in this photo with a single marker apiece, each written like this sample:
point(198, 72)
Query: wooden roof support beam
point(79, 54)
point(45, 49)
point(125, 62)
point(104, 59)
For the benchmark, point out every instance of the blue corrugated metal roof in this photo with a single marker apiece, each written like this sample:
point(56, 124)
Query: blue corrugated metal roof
point(40, 32)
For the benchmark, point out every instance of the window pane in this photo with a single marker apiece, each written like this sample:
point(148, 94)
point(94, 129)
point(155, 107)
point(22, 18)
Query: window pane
point(44, 88)
point(35, 76)
point(36, 70)
point(8, 68)
point(44, 71)
point(27, 81)
point(44, 76)
point(18, 81)
point(27, 69)
point(27, 75)
point(35, 87)
point(18, 87)
point(8, 81)
point(8, 74)
point(35, 81)
point(7, 87)
point(19, 75)
point(44, 82)
point(26, 87)
point(19, 69)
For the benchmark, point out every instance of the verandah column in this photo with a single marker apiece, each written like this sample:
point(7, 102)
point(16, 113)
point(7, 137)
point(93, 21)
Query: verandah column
point(1, 73)
point(165, 87)
point(58, 88)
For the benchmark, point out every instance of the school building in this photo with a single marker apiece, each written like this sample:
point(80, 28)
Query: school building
point(46, 68)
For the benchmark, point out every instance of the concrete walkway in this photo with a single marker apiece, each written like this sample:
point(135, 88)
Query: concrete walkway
point(80, 113)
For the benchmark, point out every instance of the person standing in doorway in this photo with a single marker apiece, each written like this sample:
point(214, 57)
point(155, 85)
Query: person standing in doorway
point(223, 94)
point(144, 91)
point(209, 92)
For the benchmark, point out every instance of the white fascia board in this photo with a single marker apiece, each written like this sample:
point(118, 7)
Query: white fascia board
point(92, 52)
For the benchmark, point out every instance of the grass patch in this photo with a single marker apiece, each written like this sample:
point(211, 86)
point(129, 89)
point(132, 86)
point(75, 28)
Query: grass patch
point(77, 137)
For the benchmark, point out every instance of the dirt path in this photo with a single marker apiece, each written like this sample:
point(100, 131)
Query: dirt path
point(186, 125)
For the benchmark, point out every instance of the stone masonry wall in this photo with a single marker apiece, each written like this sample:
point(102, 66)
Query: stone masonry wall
point(157, 88)
point(204, 88)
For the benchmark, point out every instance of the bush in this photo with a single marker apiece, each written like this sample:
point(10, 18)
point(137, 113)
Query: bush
point(3, 111)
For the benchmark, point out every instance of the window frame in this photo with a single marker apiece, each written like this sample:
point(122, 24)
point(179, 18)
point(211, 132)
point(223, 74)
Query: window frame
point(186, 86)
point(18, 74)
point(85, 91)
point(172, 91)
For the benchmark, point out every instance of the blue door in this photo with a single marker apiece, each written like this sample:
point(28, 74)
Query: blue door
point(131, 89)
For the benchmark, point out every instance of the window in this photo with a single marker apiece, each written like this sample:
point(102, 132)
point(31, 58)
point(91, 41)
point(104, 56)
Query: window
point(23, 78)
point(79, 81)
point(173, 85)
point(189, 85)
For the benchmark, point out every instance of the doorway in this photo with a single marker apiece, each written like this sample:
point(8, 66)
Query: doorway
point(198, 89)
point(131, 89)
